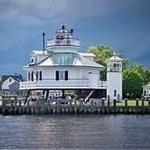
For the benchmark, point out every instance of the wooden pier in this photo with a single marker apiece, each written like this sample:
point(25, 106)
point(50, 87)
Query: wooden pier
point(14, 106)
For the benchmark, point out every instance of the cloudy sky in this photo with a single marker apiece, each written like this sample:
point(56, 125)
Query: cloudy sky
point(122, 24)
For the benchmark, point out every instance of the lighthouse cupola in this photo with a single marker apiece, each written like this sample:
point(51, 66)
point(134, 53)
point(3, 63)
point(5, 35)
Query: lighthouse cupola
point(63, 40)
point(114, 64)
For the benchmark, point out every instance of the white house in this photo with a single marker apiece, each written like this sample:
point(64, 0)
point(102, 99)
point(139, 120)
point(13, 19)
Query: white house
point(10, 84)
point(146, 91)
point(61, 66)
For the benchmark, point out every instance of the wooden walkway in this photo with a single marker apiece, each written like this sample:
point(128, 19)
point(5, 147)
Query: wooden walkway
point(17, 107)
point(74, 110)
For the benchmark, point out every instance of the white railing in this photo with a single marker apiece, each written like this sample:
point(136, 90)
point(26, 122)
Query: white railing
point(77, 83)
point(54, 42)
point(53, 84)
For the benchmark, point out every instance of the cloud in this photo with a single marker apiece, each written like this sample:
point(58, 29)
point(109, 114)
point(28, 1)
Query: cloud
point(58, 10)
point(123, 24)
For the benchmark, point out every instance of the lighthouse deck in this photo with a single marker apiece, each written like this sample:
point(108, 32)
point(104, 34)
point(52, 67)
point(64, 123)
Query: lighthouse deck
point(63, 84)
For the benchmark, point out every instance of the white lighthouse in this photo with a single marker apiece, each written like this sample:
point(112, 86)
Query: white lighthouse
point(61, 66)
point(114, 77)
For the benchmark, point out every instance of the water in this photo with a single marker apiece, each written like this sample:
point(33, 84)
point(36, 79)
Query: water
point(75, 132)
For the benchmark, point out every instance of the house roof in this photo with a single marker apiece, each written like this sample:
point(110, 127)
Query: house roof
point(115, 57)
point(15, 77)
point(87, 54)
point(86, 62)
point(69, 59)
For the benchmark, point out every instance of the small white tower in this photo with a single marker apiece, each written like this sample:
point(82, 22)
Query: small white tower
point(114, 77)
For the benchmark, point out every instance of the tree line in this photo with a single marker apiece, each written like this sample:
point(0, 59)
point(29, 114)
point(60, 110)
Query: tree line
point(135, 76)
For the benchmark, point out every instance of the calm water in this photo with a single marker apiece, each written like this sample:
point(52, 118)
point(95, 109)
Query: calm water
point(75, 132)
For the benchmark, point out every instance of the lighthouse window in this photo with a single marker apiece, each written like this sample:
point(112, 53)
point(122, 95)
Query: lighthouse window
point(61, 75)
point(64, 58)
point(57, 75)
point(119, 65)
point(32, 76)
point(66, 75)
point(115, 65)
point(29, 76)
point(37, 75)
point(40, 75)
point(115, 92)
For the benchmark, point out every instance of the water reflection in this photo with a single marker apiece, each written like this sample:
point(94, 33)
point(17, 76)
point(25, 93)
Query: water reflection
point(71, 131)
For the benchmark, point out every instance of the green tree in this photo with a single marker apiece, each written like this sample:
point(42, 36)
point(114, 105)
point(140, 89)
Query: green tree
point(132, 83)
point(102, 53)
point(146, 75)
point(134, 75)
point(143, 71)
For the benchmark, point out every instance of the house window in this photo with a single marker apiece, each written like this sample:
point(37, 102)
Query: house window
point(40, 75)
point(115, 93)
point(10, 80)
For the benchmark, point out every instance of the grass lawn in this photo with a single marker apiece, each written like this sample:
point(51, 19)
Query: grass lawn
point(132, 103)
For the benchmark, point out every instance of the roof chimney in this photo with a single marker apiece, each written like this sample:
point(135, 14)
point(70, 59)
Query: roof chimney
point(43, 41)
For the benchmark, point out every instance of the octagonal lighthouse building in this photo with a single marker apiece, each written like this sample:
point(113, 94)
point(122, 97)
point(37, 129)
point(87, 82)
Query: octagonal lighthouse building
point(61, 66)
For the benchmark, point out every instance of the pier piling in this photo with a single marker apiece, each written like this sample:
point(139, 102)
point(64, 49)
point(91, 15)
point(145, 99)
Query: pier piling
point(14, 106)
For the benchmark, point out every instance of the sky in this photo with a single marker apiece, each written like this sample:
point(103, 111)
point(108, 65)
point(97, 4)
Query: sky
point(123, 25)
